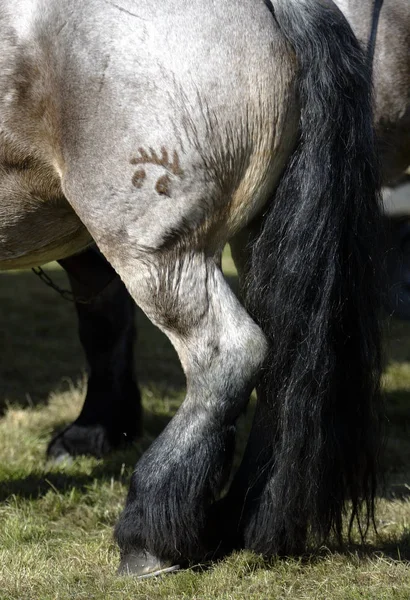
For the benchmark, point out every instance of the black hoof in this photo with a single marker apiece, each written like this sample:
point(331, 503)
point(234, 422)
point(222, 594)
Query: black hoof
point(78, 440)
point(142, 564)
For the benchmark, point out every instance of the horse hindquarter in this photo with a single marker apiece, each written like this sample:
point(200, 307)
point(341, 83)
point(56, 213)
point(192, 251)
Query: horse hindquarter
point(202, 133)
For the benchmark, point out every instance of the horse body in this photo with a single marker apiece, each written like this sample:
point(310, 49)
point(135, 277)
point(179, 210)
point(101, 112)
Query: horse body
point(74, 96)
point(162, 133)
point(38, 224)
point(391, 67)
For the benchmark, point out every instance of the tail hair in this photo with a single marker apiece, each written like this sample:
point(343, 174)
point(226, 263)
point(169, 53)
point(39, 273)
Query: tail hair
point(314, 288)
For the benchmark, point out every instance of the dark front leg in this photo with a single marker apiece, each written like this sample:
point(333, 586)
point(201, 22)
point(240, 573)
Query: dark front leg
point(111, 414)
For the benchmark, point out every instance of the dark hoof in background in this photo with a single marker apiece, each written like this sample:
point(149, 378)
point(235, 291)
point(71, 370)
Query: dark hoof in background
point(142, 564)
point(77, 440)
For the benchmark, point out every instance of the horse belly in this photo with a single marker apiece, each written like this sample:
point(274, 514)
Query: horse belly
point(34, 231)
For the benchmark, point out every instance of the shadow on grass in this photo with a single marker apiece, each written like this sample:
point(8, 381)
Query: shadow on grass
point(116, 465)
point(119, 465)
point(399, 549)
point(37, 485)
point(396, 548)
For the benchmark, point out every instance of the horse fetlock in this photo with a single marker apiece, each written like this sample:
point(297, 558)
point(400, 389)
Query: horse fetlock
point(172, 489)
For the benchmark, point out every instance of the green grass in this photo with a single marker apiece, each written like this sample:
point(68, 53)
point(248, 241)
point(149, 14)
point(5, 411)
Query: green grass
point(56, 521)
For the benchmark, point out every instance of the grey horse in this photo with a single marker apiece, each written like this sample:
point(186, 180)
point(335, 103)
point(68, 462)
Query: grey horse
point(111, 414)
point(162, 131)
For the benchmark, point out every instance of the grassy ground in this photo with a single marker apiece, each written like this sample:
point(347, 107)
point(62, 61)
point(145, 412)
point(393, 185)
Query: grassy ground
point(56, 522)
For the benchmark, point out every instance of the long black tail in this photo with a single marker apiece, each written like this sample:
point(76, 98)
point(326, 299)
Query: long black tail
point(313, 286)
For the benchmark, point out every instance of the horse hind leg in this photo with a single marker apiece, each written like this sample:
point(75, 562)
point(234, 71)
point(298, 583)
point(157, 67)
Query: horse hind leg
point(182, 473)
point(180, 287)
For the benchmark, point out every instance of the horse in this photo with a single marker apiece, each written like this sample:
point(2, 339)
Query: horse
point(111, 414)
point(162, 132)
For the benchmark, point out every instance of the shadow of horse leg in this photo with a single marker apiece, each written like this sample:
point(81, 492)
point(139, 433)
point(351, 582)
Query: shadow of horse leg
point(111, 414)
point(221, 349)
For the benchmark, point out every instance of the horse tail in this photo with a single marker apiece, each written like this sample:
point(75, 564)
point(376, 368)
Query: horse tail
point(313, 288)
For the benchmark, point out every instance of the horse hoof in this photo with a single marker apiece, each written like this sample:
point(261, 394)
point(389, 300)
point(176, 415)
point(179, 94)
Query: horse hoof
point(78, 440)
point(143, 565)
